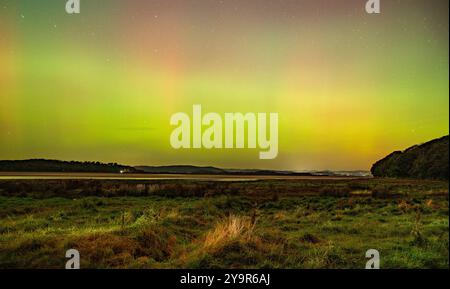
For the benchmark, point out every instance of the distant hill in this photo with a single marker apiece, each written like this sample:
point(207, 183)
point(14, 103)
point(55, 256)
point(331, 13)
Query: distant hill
point(342, 173)
point(43, 165)
point(425, 161)
point(195, 170)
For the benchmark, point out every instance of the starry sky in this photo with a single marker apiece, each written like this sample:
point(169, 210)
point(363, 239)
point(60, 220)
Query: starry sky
point(102, 85)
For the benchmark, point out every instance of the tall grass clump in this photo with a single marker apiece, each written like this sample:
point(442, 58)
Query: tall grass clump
point(231, 229)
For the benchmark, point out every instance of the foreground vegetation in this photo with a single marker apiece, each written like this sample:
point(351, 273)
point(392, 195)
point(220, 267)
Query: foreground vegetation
point(193, 224)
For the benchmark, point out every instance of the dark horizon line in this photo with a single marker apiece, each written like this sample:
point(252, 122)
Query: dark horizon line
point(188, 165)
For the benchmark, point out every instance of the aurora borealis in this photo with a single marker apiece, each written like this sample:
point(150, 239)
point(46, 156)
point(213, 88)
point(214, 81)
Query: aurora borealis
point(349, 87)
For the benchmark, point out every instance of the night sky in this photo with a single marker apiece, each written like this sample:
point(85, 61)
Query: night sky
point(101, 85)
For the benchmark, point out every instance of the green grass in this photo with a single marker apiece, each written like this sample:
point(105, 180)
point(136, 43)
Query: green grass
point(290, 224)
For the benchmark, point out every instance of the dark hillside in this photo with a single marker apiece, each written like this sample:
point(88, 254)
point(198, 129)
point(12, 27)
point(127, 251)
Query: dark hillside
point(42, 165)
point(425, 161)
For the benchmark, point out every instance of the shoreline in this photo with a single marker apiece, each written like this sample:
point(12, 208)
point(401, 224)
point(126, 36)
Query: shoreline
point(113, 176)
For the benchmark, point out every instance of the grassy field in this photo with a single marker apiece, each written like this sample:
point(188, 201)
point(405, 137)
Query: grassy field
point(207, 224)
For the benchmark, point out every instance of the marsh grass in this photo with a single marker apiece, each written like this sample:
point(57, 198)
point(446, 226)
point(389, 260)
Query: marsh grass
point(309, 224)
point(227, 231)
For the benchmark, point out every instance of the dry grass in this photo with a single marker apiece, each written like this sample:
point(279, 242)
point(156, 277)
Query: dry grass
point(104, 250)
point(232, 228)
